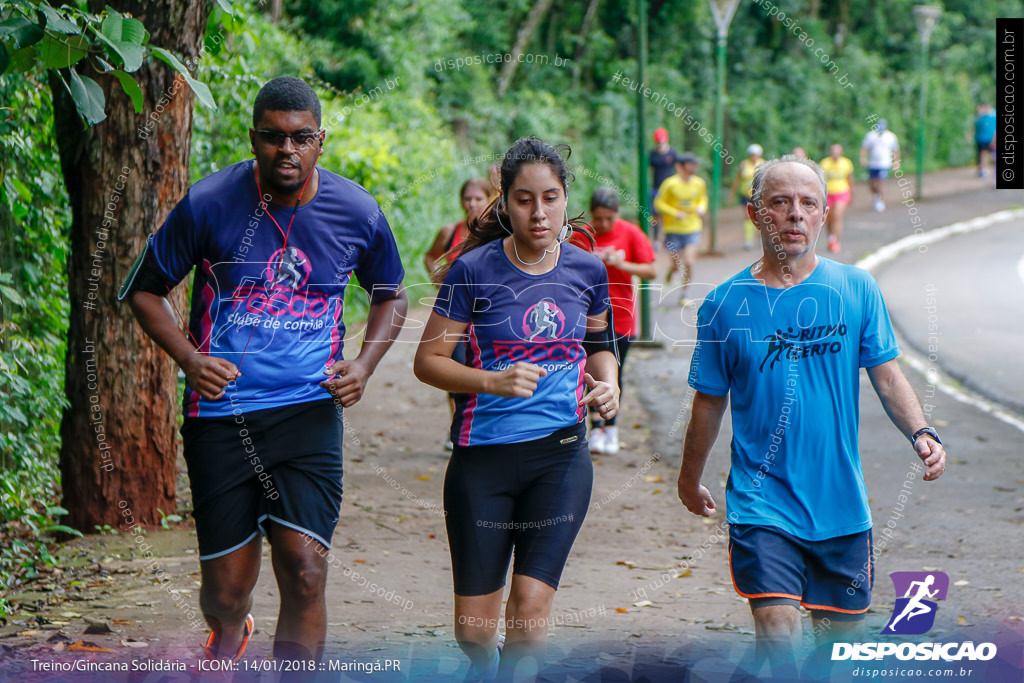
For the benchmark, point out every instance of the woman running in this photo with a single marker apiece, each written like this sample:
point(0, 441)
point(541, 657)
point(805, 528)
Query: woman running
point(534, 310)
point(839, 176)
point(625, 252)
point(475, 194)
point(744, 181)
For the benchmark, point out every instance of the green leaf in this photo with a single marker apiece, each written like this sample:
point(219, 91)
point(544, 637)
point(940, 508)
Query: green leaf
point(22, 31)
point(132, 31)
point(88, 97)
point(5, 58)
point(21, 188)
point(23, 60)
point(57, 22)
point(61, 527)
point(131, 54)
point(11, 295)
point(226, 6)
point(124, 29)
point(201, 90)
point(55, 510)
point(131, 88)
point(60, 54)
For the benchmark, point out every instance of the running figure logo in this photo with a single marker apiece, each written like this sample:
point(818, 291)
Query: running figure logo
point(914, 613)
point(288, 268)
point(544, 319)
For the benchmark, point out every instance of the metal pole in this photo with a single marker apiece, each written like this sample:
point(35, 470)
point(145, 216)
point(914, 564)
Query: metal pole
point(923, 115)
point(644, 216)
point(716, 159)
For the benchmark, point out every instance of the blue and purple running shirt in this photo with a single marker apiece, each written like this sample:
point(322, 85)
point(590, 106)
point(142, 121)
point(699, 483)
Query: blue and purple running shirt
point(516, 317)
point(275, 312)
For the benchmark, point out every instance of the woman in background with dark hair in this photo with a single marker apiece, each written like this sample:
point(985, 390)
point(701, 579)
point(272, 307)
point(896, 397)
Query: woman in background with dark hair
point(625, 252)
point(520, 475)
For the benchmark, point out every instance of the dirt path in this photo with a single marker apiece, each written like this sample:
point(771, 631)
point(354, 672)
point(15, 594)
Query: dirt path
point(644, 576)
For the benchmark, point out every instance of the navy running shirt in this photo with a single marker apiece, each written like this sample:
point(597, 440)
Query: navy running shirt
point(275, 312)
point(516, 317)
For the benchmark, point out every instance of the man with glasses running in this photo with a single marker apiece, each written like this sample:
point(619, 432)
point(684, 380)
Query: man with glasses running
point(274, 241)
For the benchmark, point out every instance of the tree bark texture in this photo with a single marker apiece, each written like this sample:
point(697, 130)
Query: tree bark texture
point(124, 175)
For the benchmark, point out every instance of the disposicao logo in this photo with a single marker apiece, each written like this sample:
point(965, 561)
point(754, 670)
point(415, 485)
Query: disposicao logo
point(914, 613)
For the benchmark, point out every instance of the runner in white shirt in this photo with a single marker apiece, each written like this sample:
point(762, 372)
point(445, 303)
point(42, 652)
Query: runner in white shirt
point(879, 151)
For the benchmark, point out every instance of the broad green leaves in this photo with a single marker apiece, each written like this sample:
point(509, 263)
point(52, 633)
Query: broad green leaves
point(71, 41)
point(201, 90)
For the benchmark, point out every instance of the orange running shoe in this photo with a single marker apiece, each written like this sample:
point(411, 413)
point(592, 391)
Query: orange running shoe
point(249, 627)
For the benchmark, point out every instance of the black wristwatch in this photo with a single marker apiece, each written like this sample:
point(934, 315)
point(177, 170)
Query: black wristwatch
point(926, 430)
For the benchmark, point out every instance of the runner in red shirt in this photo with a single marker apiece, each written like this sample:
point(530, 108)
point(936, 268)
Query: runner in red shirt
point(625, 251)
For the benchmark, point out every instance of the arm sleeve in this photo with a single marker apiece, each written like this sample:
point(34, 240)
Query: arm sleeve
point(454, 299)
point(703, 201)
point(169, 254)
point(709, 365)
point(877, 339)
point(599, 299)
point(380, 270)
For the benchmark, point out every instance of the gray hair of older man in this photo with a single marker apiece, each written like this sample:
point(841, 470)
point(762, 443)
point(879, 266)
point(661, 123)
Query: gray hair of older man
point(764, 169)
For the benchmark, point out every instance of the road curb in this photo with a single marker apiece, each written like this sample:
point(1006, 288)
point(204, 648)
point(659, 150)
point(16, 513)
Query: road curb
point(961, 388)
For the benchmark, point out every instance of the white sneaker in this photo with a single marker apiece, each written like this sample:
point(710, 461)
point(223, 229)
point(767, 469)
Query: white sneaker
point(879, 205)
point(598, 441)
point(611, 440)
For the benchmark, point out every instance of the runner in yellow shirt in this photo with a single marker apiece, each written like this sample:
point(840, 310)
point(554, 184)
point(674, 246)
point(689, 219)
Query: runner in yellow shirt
point(745, 182)
point(839, 178)
point(683, 201)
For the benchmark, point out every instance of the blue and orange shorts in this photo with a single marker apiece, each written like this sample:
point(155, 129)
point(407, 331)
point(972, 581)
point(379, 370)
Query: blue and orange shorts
point(831, 578)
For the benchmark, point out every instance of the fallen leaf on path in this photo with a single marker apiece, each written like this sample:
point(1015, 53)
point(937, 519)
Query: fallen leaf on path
point(621, 610)
point(681, 573)
point(654, 480)
point(962, 621)
point(98, 629)
point(359, 560)
point(627, 563)
point(133, 643)
point(961, 582)
point(85, 646)
point(31, 632)
point(70, 615)
point(643, 603)
point(721, 627)
point(423, 477)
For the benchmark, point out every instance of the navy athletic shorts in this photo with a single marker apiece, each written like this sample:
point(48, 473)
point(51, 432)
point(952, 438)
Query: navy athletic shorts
point(874, 173)
point(676, 241)
point(831, 578)
point(280, 464)
point(530, 497)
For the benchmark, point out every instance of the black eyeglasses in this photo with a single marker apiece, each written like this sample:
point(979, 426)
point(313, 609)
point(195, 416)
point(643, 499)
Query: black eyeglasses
point(276, 138)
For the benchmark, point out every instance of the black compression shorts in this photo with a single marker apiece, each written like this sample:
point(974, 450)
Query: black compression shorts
point(530, 497)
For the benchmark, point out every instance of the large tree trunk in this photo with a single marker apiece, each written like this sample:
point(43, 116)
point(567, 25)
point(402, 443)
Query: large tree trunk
point(119, 439)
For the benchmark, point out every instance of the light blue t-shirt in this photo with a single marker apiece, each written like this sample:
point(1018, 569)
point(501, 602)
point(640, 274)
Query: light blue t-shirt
point(790, 361)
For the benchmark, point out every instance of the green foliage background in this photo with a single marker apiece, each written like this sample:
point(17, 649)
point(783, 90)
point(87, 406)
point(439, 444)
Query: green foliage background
point(408, 125)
